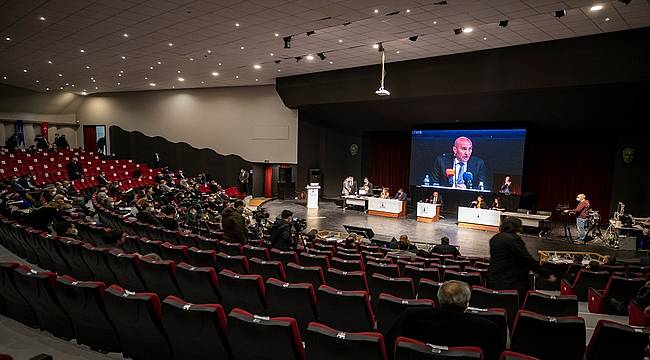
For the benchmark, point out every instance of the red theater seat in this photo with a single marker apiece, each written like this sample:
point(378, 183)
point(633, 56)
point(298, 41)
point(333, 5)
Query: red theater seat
point(266, 268)
point(345, 310)
point(410, 349)
point(551, 305)
point(618, 288)
point(390, 308)
point(612, 340)
point(549, 337)
point(198, 285)
point(293, 300)
point(584, 280)
point(343, 280)
point(242, 291)
point(325, 343)
point(305, 274)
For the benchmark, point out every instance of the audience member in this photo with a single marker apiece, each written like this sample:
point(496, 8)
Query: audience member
point(75, 171)
point(449, 325)
point(404, 249)
point(145, 213)
point(444, 248)
point(233, 223)
point(510, 262)
point(281, 237)
point(169, 219)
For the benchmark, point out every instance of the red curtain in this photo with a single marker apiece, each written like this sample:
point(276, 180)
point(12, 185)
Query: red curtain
point(389, 159)
point(268, 181)
point(45, 130)
point(90, 138)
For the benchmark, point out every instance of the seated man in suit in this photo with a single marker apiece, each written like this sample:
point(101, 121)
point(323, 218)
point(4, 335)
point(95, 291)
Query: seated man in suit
point(435, 198)
point(400, 195)
point(444, 248)
point(462, 170)
point(449, 325)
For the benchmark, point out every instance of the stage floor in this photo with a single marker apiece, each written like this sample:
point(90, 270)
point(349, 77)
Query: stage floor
point(329, 216)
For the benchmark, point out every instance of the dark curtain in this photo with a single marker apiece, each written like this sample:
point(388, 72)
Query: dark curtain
point(559, 165)
point(90, 138)
point(389, 159)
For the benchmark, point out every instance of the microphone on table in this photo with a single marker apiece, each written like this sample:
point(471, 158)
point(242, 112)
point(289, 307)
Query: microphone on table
point(468, 177)
point(450, 176)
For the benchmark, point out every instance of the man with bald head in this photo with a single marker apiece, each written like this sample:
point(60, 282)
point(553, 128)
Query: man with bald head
point(460, 169)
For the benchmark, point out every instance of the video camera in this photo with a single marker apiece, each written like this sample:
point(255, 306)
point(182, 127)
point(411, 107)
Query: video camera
point(260, 215)
point(299, 224)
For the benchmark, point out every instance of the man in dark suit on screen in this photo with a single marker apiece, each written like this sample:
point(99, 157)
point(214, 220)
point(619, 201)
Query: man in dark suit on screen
point(460, 169)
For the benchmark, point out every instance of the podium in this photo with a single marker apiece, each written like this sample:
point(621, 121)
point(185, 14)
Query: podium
point(479, 219)
point(386, 207)
point(312, 196)
point(428, 212)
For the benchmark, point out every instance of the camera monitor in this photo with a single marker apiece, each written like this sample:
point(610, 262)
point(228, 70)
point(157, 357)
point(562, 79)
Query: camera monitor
point(366, 232)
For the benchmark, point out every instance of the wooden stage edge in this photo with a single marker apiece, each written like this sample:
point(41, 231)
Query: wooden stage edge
point(427, 219)
point(386, 214)
point(478, 227)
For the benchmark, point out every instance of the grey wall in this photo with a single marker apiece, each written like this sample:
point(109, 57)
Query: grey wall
point(631, 182)
point(251, 122)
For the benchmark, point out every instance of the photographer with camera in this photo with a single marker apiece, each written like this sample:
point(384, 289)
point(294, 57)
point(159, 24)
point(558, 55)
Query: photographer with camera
point(281, 237)
point(234, 224)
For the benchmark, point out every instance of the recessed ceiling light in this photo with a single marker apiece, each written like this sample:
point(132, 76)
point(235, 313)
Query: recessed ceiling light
point(397, 52)
point(159, 62)
point(209, 51)
point(467, 30)
point(376, 11)
point(408, 11)
point(119, 83)
point(73, 85)
point(484, 38)
point(123, 57)
point(37, 81)
point(596, 8)
point(150, 67)
point(435, 22)
point(170, 44)
point(279, 70)
point(202, 82)
point(120, 75)
point(8, 38)
point(82, 51)
point(42, 18)
point(60, 75)
point(241, 47)
point(191, 59)
point(49, 62)
point(276, 34)
point(24, 70)
point(84, 93)
point(375, 46)
point(271, 54)
point(257, 79)
point(94, 80)
point(214, 73)
point(5, 77)
point(67, 84)
point(236, 76)
point(340, 40)
point(96, 88)
point(257, 66)
point(178, 71)
point(146, 78)
point(237, 24)
point(152, 84)
point(331, 62)
point(125, 35)
point(310, 57)
point(121, 71)
point(181, 79)
point(219, 64)
point(607, 19)
point(47, 89)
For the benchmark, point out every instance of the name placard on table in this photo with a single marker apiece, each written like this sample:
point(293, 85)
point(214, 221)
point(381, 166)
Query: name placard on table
point(428, 212)
point(386, 207)
point(481, 219)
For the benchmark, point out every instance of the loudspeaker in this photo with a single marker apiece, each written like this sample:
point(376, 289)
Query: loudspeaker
point(314, 176)
point(284, 175)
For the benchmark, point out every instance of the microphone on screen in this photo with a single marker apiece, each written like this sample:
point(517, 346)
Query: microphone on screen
point(468, 177)
point(450, 176)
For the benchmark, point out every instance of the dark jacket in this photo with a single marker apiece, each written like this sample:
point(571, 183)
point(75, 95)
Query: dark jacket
point(281, 235)
point(148, 218)
point(447, 327)
point(75, 171)
point(234, 226)
point(475, 165)
point(169, 223)
point(510, 263)
point(446, 249)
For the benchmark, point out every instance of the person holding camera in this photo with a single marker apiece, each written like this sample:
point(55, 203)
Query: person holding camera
point(234, 224)
point(281, 237)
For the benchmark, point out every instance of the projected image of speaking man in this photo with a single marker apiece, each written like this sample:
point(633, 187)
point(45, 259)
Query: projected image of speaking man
point(461, 169)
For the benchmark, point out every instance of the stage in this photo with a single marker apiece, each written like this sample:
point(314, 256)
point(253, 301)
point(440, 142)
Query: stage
point(330, 216)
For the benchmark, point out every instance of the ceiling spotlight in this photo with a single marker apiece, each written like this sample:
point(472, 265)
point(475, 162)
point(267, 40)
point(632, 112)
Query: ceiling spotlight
point(397, 52)
point(152, 84)
point(257, 66)
point(237, 24)
point(241, 48)
point(236, 76)
point(287, 42)
point(375, 46)
point(331, 62)
point(310, 57)
point(37, 81)
point(214, 73)
point(42, 18)
point(467, 30)
point(170, 44)
point(123, 57)
point(276, 34)
point(607, 19)
point(181, 79)
point(121, 71)
point(322, 56)
point(596, 8)
point(150, 67)
point(340, 41)
point(24, 70)
point(257, 79)
point(560, 13)
point(484, 38)
point(209, 51)
point(503, 23)
point(279, 70)
point(125, 35)
point(159, 62)
point(60, 75)
point(376, 11)
point(435, 22)
point(191, 59)
point(8, 38)
point(178, 71)
point(414, 38)
point(271, 54)
point(49, 62)
point(82, 51)
point(298, 58)
point(310, 33)
point(219, 64)
point(408, 11)
point(87, 66)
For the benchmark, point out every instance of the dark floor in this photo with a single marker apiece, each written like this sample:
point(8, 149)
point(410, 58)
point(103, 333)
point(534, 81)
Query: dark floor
point(329, 216)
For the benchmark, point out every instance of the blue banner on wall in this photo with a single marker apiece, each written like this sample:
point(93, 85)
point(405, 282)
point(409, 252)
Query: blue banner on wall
point(20, 131)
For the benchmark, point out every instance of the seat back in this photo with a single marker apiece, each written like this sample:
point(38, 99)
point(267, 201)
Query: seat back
point(274, 338)
point(159, 276)
point(17, 307)
point(612, 340)
point(233, 249)
point(401, 287)
point(390, 308)
point(97, 261)
point(321, 261)
point(137, 319)
point(589, 279)
point(391, 270)
point(344, 280)
point(305, 274)
point(201, 258)
point(428, 289)
point(551, 305)
point(37, 287)
point(533, 333)
point(255, 251)
point(196, 331)
point(84, 303)
point(417, 273)
point(242, 291)
point(198, 285)
point(324, 343)
point(497, 316)
point(267, 268)
point(346, 265)
point(177, 253)
point(235, 263)
point(292, 300)
point(470, 278)
point(484, 298)
point(622, 289)
point(344, 310)
point(284, 257)
point(410, 349)
point(125, 267)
